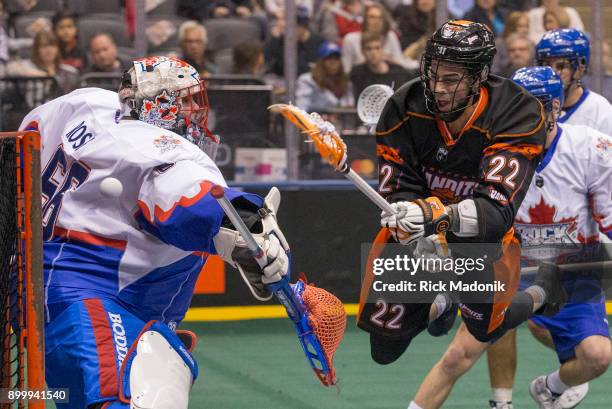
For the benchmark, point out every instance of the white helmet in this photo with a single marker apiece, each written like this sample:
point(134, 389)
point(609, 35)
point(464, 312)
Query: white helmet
point(167, 92)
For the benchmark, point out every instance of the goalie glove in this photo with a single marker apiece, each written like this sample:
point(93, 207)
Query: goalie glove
point(420, 218)
point(232, 248)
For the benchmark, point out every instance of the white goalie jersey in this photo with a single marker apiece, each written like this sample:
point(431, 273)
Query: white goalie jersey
point(568, 202)
point(145, 247)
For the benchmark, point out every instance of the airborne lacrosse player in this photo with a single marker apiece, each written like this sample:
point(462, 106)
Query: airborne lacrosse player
point(457, 150)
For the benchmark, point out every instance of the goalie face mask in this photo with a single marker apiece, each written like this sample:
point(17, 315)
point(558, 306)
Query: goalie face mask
point(168, 93)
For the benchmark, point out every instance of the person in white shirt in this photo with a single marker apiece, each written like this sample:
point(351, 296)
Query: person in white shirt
point(536, 19)
point(376, 19)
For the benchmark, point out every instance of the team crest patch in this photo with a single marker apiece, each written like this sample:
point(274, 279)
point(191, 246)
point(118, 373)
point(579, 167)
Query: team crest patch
point(603, 147)
point(166, 143)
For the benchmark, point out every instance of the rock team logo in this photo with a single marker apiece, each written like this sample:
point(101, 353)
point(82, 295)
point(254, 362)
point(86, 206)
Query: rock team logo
point(547, 236)
point(603, 147)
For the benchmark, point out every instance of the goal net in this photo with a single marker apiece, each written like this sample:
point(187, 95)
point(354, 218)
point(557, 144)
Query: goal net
point(21, 269)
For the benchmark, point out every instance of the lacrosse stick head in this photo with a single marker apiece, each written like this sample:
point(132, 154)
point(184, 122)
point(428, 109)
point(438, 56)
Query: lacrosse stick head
point(327, 320)
point(323, 134)
point(371, 103)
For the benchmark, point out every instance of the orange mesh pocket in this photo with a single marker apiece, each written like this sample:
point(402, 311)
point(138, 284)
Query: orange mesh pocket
point(327, 318)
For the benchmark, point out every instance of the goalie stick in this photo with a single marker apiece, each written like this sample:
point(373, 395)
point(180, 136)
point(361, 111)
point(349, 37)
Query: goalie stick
point(289, 295)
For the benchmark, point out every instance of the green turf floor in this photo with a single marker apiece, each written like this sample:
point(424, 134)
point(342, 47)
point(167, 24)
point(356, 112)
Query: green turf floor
point(259, 365)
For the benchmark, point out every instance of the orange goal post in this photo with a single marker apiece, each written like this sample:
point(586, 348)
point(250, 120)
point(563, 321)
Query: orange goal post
point(22, 364)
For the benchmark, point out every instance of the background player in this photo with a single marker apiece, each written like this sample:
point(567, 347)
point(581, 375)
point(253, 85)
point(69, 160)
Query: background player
point(472, 144)
point(120, 271)
point(568, 52)
point(575, 180)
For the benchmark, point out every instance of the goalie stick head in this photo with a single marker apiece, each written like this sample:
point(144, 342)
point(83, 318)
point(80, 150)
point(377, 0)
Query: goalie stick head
point(168, 93)
point(324, 329)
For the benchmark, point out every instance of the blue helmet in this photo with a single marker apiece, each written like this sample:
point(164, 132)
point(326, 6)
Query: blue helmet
point(541, 82)
point(567, 43)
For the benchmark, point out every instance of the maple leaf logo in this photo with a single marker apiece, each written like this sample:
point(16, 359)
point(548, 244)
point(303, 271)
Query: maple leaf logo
point(542, 213)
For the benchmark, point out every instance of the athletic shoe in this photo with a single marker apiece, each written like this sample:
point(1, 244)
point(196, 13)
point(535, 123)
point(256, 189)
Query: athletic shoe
point(441, 325)
point(549, 278)
point(543, 396)
point(500, 405)
point(573, 396)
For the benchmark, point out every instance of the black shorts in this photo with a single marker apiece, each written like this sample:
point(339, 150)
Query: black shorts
point(404, 321)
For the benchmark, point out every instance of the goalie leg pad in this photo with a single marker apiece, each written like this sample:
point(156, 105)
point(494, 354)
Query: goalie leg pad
point(161, 370)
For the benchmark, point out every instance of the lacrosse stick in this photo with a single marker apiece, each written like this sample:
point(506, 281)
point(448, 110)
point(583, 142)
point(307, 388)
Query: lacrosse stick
point(371, 103)
point(331, 148)
point(318, 316)
point(604, 265)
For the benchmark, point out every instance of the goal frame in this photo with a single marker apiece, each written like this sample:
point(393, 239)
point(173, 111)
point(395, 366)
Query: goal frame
point(30, 260)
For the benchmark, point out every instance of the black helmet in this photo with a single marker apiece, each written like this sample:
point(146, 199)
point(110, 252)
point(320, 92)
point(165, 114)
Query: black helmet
point(466, 44)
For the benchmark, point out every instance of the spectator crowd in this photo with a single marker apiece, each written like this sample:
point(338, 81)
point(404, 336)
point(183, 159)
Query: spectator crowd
point(342, 45)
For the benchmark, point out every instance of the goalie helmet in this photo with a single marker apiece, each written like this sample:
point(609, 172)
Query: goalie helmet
point(469, 46)
point(168, 93)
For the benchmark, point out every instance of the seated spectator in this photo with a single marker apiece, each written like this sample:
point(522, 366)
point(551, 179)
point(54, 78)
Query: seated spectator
point(536, 19)
point(415, 21)
point(376, 70)
point(487, 12)
point(193, 40)
point(458, 8)
point(103, 55)
point(193, 9)
point(326, 86)
point(249, 58)
point(230, 8)
point(276, 8)
point(376, 20)
point(308, 44)
point(556, 18)
point(64, 27)
point(338, 18)
point(45, 61)
point(516, 22)
point(510, 6)
point(520, 54)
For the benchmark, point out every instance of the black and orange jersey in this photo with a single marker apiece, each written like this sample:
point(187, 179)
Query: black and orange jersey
point(492, 159)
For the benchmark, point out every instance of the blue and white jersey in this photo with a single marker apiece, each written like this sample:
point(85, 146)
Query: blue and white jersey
point(591, 110)
point(568, 202)
point(144, 248)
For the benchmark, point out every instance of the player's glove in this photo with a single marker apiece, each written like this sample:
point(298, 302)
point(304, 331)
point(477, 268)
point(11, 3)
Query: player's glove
point(411, 220)
point(434, 250)
point(233, 249)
